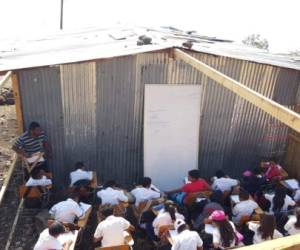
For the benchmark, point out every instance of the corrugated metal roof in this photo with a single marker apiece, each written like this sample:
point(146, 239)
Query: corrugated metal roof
point(90, 44)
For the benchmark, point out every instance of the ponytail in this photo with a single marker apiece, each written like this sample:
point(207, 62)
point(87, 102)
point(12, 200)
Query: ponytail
point(171, 209)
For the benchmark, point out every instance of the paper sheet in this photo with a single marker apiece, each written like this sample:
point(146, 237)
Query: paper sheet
point(84, 206)
point(67, 236)
point(235, 198)
point(173, 234)
point(292, 183)
point(33, 158)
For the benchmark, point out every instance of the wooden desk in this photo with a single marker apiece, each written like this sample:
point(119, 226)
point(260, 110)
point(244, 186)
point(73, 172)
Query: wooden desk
point(83, 221)
point(94, 182)
point(72, 235)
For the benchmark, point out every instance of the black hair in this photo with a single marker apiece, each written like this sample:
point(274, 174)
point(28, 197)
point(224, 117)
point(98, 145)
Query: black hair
point(79, 165)
point(35, 173)
point(278, 200)
point(108, 211)
point(226, 232)
point(110, 183)
point(182, 228)
point(56, 229)
point(146, 182)
point(194, 173)
point(220, 173)
point(297, 214)
point(34, 125)
point(257, 171)
point(217, 196)
point(267, 226)
point(74, 195)
point(171, 209)
point(244, 194)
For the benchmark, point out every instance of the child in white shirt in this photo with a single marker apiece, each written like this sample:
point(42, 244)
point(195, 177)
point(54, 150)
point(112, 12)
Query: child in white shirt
point(265, 230)
point(80, 174)
point(293, 224)
point(244, 207)
point(168, 217)
point(48, 238)
point(186, 239)
point(280, 201)
point(67, 211)
point(38, 179)
point(223, 182)
point(110, 195)
point(111, 231)
point(145, 192)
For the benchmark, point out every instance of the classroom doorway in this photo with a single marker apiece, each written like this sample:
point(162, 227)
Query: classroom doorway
point(171, 132)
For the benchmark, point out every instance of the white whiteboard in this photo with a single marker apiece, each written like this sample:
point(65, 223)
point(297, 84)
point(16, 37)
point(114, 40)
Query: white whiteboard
point(171, 132)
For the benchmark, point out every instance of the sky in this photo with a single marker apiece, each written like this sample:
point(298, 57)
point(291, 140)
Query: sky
point(276, 20)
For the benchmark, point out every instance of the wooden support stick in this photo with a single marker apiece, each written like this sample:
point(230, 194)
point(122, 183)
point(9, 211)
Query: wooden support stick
point(16, 91)
point(283, 114)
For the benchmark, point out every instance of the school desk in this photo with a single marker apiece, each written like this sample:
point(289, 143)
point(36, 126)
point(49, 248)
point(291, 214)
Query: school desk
point(83, 221)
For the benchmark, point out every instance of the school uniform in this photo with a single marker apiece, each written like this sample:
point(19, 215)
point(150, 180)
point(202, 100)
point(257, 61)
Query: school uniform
point(257, 238)
point(187, 240)
point(243, 208)
point(164, 219)
point(110, 196)
point(44, 181)
point(144, 194)
point(67, 211)
point(80, 174)
point(224, 184)
point(290, 226)
point(288, 201)
point(111, 230)
point(46, 241)
point(217, 237)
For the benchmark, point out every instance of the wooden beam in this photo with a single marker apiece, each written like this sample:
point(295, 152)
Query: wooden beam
point(5, 78)
point(285, 243)
point(19, 114)
point(283, 114)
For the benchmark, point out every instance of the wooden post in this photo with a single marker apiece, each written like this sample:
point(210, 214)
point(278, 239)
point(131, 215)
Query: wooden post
point(19, 114)
point(283, 114)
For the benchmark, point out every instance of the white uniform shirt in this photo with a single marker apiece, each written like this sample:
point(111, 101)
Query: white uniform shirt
point(288, 201)
point(243, 208)
point(110, 196)
point(187, 240)
point(144, 194)
point(112, 231)
point(66, 211)
point(44, 181)
point(297, 195)
point(80, 174)
point(163, 219)
point(46, 241)
point(290, 226)
point(257, 235)
point(217, 236)
point(224, 184)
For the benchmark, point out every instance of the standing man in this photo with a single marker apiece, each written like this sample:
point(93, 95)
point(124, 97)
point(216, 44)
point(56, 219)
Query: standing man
point(34, 148)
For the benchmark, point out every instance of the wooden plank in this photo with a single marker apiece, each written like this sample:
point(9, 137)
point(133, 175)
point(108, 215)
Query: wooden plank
point(7, 177)
point(283, 114)
point(285, 243)
point(83, 221)
point(19, 114)
point(5, 78)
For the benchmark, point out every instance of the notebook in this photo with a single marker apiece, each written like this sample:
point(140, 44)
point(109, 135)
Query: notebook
point(292, 183)
point(34, 157)
point(235, 198)
point(62, 238)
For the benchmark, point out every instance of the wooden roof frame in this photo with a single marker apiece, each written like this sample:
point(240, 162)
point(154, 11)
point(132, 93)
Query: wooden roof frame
point(278, 111)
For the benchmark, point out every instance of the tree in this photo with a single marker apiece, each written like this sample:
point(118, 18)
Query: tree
point(255, 40)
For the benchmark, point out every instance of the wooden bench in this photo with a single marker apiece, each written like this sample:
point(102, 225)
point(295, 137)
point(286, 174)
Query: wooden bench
point(121, 247)
point(32, 192)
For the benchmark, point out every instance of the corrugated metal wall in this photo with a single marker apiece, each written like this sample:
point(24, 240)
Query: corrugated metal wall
point(98, 107)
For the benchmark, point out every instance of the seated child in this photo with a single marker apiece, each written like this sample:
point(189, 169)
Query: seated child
point(196, 184)
point(38, 179)
point(80, 174)
point(186, 239)
point(48, 238)
point(223, 182)
point(67, 211)
point(272, 170)
point(167, 217)
point(111, 231)
point(145, 192)
point(265, 229)
point(110, 195)
point(244, 207)
point(254, 182)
